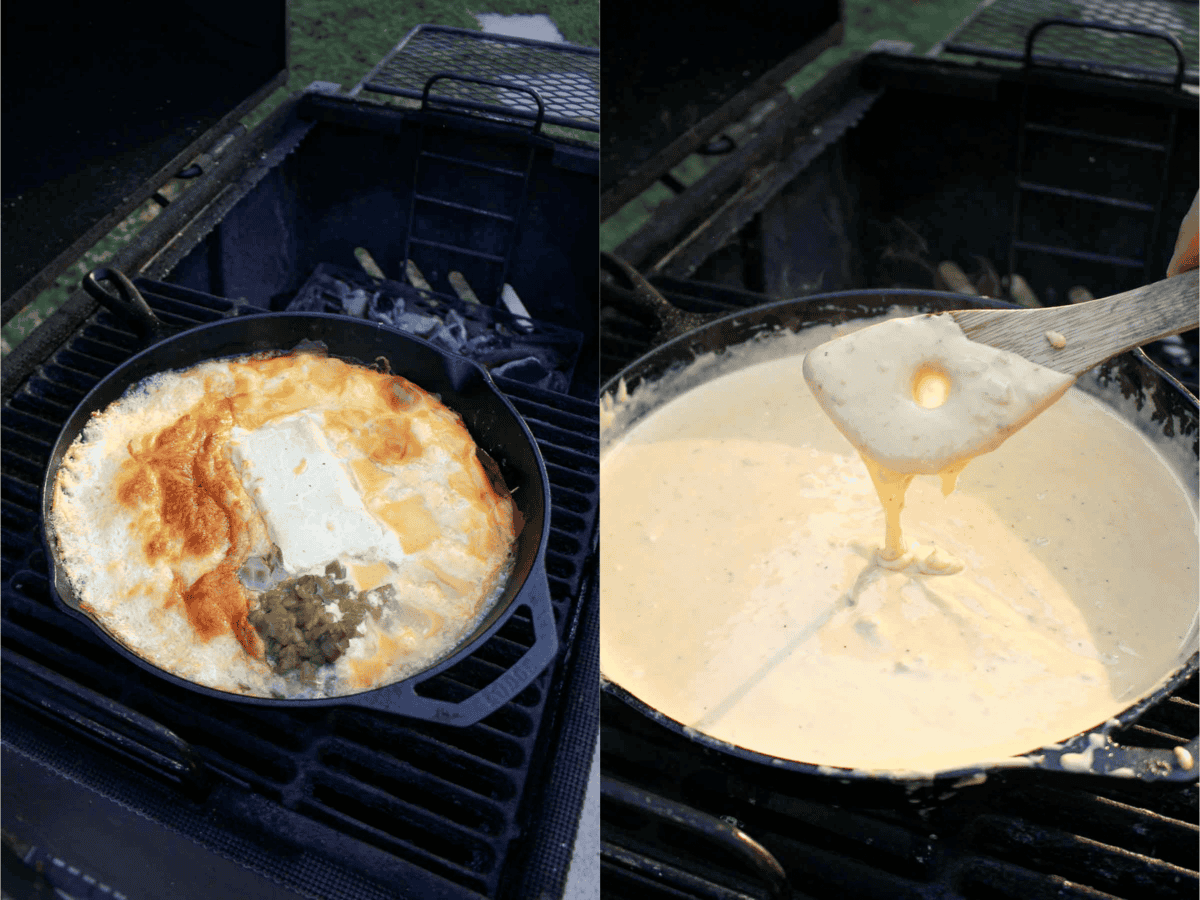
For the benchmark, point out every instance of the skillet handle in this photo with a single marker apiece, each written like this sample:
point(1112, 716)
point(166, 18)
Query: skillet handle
point(127, 302)
point(510, 683)
point(1111, 760)
point(640, 807)
point(643, 298)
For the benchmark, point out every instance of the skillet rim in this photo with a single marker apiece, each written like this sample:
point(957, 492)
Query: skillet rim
point(527, 585)
point(1151, 765)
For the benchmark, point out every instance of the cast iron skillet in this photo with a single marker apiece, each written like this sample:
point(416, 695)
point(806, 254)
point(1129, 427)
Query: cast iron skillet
point(462, 385)
point(1177, 412)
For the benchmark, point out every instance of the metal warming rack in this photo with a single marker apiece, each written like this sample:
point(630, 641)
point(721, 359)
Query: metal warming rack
point(1000, 30)
point(496, 74)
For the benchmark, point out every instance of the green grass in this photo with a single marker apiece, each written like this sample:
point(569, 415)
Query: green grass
point(331, 40)
point(920, 22)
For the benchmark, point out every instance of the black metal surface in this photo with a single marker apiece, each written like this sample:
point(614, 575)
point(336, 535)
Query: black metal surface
point(565, 77)
point(282, 200)
point(1009, 835)
point(1144, 195)
point(442, 176)
point(110, 101)
point(376, 805)
point(673, 78)
point(999, 30)
point(943, 186)
point(304, 206)
point(686, 229)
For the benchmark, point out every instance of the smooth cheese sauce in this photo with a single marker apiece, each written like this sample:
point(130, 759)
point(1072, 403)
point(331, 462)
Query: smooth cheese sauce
point(916, 396)
point(741, 594)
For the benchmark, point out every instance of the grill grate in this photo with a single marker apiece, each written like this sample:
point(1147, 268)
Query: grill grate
point(566, 77)
point(998, 31)
point(348, 786)
point(1014, 836)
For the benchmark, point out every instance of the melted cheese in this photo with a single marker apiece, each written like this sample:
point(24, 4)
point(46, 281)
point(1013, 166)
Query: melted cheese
point(169, 491)
point(741, 594)
point(916, 396)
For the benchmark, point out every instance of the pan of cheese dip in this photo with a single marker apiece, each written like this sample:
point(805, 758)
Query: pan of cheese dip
point(1042, 605)
point(304, 509)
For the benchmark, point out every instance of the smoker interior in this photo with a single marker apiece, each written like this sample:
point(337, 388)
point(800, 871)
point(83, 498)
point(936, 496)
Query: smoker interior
point(331, 802)
point(495, 203)
point(901, 163)
point(897, 164)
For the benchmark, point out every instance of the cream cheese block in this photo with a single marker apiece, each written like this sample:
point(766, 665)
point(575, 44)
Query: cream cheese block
point(313, 512)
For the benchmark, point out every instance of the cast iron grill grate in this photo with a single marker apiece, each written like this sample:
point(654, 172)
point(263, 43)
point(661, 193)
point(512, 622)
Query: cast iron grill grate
point(1014, 835)
point(1017, 835)
point(998, 31)
point(384, 795)
point(565, 76)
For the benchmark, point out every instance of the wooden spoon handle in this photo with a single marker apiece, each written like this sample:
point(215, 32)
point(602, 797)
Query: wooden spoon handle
point(1094, 331)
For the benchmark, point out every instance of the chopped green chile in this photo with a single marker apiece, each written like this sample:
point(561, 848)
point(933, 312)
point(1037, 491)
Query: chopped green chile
point(299, 632)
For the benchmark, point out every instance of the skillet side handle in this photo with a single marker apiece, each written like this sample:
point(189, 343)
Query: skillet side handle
point(642, 297)
point(510, 683)
point(717, 834)
point(127, 303)
point(1179, 765)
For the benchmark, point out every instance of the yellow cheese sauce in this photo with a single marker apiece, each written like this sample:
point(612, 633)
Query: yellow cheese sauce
point(741, 594)
point(916, 395)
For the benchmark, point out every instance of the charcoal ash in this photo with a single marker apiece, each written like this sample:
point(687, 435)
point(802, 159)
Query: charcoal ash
point(512, 346)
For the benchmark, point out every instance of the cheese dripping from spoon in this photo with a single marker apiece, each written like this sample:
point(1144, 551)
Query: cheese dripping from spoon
point(916, 396)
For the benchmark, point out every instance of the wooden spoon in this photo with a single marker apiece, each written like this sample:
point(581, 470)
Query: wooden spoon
point(1093, 331)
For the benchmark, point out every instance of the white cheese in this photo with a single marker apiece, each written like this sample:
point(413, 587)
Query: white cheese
point(304, 493)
